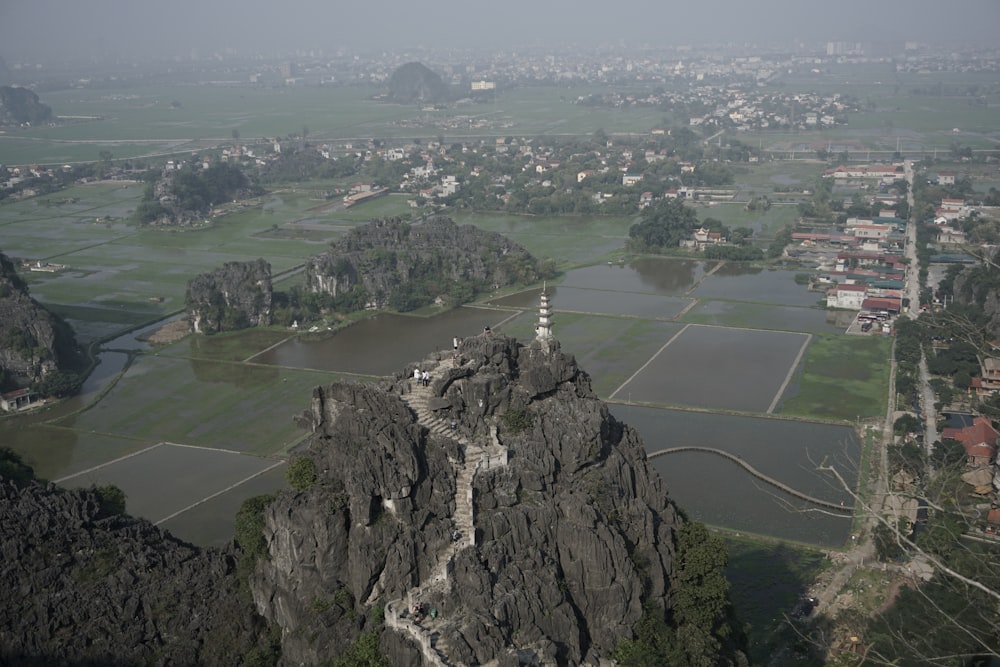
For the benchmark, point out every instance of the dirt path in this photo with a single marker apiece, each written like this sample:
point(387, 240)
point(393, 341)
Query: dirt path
point(171, 332)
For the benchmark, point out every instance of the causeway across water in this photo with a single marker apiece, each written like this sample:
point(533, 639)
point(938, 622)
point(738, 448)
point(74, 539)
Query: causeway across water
point(756, 473)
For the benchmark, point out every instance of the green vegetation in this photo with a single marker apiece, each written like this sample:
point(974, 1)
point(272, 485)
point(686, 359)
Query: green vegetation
point(663, 226)
point(111, 499)
point(768, 581)
point(301, 473)
point(701, 623)
point(192, 191)
point(518, 420)
point(363, 652)
point(944, 617)
point(843, 378)
point(13, 469)
point(250, 537)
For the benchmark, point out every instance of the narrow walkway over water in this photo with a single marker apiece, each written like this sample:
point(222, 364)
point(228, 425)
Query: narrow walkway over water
point(756, 473)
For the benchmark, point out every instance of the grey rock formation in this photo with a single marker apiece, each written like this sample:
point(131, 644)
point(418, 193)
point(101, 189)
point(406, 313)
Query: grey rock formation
point(977, 285)
point(33, 342)
point(237, 296)
point(20, 105)
point(83, 588)
point(504, 497)
point(388, 258)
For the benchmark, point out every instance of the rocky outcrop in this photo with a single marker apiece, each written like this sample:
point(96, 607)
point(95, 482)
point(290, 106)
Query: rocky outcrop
point(979, 285)
point(237, 296)
point(20, 105)
point(33, 341)
point(416, 83)
point(81, 587)
point(405, 266)
point(502, 513)
point(185, 196)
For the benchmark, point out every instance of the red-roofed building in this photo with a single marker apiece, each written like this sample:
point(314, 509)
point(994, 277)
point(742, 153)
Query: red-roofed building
point(892, 306)
point(15, 400)
point(979, 440)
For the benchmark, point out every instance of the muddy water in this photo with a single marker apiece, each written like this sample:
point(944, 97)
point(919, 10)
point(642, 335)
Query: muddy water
point(719, 492)
point(384, 344)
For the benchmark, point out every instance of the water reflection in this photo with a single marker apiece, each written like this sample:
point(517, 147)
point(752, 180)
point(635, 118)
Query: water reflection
point(384, 344)
point(719, 492)
point(743, 283)
point(670, 276)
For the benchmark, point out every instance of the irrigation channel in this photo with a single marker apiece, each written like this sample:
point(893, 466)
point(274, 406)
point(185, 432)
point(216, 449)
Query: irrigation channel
point(756, 473)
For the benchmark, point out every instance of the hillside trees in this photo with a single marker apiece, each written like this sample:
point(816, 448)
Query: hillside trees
point(663, 226)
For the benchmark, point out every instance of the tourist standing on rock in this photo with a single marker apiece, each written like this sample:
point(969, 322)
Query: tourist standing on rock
point(416, 377)
point(426, 378)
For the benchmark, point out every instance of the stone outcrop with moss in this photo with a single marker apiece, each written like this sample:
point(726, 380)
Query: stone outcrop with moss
point(394, 264)
point(236, 296)
point(34, 343)
point(83, 584)
point(500, 513)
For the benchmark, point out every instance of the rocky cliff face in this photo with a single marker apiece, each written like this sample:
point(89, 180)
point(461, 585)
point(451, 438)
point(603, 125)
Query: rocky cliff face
point(83, 588)
point(236, 296)
point(33, 342)
point(392, 260)
point(20, 105)
point(499, 513)
point(979, 285)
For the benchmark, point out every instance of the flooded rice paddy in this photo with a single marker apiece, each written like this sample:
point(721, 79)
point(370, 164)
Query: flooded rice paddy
point(660, 332)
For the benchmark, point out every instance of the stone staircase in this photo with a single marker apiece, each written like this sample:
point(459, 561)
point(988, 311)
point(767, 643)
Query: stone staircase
point(433, 644)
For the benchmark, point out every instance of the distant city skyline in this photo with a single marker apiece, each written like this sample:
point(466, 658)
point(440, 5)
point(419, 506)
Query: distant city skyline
point(39, 30)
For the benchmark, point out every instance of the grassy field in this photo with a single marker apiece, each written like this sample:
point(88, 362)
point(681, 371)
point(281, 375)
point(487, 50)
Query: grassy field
point(570, 240)
point(166, 120)
point(844, 377)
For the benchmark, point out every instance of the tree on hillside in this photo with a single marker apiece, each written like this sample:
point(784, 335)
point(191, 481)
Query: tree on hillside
point(663, 226)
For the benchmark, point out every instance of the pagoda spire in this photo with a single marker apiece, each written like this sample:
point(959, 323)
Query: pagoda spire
point(543, 330)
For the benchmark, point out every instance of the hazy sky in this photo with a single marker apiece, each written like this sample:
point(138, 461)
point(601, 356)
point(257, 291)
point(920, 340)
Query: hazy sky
point(83, 28)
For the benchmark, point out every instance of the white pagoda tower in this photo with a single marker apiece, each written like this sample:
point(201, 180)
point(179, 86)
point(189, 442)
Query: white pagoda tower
point(543, 330)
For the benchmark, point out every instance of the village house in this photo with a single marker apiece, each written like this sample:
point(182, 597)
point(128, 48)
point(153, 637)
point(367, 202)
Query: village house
point(15, 400)
point(702, 238)
point(847, 296)
point(989, 377)
point(631, 179)
point(979, 441)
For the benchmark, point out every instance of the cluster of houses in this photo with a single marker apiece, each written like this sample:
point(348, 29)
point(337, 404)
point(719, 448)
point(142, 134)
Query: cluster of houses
point(865, 268)
point(979, 439)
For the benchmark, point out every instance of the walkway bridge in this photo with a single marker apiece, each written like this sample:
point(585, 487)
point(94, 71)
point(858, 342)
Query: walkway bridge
point(840, 507)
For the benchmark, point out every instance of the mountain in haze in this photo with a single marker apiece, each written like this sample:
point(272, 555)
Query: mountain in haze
point(20, 105)
point(415, 83)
